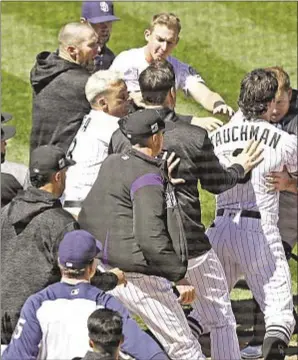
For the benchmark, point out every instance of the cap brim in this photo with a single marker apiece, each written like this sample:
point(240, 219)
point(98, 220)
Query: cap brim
point(102, 19)
point(8, 132)
point(5, 117)
point(68, 163)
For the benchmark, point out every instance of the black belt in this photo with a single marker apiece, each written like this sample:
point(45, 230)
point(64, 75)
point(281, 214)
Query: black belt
point(72, 204)
point(244, 213)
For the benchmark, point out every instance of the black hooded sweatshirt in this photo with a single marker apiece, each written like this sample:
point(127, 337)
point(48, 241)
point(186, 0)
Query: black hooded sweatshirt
point(59, 101)
point(32, 226)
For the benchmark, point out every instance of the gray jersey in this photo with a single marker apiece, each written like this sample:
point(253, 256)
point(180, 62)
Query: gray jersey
point(19, 171)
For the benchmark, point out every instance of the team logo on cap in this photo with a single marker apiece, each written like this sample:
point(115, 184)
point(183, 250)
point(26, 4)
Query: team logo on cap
point(61, 163)
point(104, 6)
point(154, 128)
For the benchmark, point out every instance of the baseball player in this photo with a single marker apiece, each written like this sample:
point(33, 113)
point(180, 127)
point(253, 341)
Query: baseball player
point(108, 97)
point(245, 234)
point(285, 117)
point(162, 36)
point(100, 15)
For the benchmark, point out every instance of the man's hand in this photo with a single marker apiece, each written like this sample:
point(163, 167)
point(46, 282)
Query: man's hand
point(186, 291)
point(223, 108)
point(207, 123)
point(120, 275)
point(171, 164)
point(281, 181)
point(250, 157)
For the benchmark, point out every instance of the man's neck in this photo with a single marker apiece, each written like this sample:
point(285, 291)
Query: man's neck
point(144, 150)
point(73, 281)
point(148, 56)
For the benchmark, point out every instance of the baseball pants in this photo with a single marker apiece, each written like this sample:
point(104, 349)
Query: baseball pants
point(152, 298)
point(247, 247)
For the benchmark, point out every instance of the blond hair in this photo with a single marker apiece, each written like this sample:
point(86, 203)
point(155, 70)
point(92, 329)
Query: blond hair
point(282, 78)
point(170, 20)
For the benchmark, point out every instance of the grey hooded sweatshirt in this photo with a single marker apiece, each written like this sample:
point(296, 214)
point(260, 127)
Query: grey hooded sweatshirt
point(32, 226)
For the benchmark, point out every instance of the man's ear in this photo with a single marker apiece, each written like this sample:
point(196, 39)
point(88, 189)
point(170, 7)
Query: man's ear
point(83, 20)
point(91, 344)
point(178, 38)
point(102, 102)
point(73, 51)
point(147, 34)
point(57, 176)
point(290, 93)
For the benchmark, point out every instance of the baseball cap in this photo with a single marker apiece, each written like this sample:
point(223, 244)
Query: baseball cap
point(7, 132)
point(144, 122)
point(77, 249)
point(5, 117)
point(98, 11)
point(48, 159)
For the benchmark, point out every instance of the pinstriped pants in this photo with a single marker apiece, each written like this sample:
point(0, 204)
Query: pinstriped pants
point(246, 247)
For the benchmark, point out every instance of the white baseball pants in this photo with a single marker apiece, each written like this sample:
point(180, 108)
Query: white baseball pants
point(247, 247)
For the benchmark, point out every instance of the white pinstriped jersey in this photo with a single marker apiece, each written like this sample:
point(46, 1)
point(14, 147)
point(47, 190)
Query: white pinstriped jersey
point(132, 62)
point(280, 149)
point(89, 149)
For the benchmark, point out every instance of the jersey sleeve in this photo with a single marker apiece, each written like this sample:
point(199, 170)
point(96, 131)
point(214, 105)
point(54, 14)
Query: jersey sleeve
point(183, 72)
point(27, 334)
point(290, 153)
point(136, 342)
point(124, 64)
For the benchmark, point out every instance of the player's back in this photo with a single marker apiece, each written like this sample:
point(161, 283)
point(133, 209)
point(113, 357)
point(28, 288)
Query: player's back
point(280, 149)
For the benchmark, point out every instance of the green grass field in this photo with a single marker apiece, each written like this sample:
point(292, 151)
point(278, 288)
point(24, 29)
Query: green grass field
point(222, 40)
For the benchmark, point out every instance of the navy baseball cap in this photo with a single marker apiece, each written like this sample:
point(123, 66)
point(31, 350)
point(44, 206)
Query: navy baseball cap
point(98, 11)
point(5, 117)
point(145, 122)
point(7, 132)
point(77, 249)
point(48, 159)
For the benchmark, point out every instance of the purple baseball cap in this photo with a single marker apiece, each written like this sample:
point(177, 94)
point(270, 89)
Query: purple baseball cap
point(77, 249)
point(98, 11)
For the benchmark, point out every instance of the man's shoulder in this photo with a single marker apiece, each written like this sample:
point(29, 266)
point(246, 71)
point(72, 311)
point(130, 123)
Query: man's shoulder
point(128, 57)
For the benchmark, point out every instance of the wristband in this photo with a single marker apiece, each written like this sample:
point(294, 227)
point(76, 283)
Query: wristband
point(218, 103)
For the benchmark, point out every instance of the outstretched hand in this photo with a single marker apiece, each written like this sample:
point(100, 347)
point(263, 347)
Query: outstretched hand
point(250, 157)
point(172, 164)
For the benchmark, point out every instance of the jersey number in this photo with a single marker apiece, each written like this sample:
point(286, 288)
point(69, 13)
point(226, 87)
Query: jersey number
point(248, 175)
point(19, 328)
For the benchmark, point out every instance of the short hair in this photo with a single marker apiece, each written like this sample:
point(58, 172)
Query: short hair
point(39, 180)
point(105, 328)
point(99, 83)
point(170, 20)
point(74, 273)
point(258, 88)
point(142, 141)
point(74, 34)
point(156, 81)
point(282, 77)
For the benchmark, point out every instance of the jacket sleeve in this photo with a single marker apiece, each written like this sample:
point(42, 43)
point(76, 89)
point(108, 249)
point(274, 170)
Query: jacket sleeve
point(150, 227)
point(212, 175)
point(24, 344)
point(136, 343)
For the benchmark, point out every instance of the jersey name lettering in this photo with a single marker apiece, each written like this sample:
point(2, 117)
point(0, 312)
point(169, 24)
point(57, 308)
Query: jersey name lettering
point(245, 132)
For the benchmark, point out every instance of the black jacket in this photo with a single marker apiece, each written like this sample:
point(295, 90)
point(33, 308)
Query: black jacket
point(32, 226)
point(126, 210)
point(104, 59)
point(90, 355)
point(198, 161)
point(9, 188)
point(59, 102)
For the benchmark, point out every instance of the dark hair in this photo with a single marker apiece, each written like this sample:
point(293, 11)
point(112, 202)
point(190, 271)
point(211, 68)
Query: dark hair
point(156, 81)
point(140, 140)
point(258, 88)
point(39, 180)
point(105, 329)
